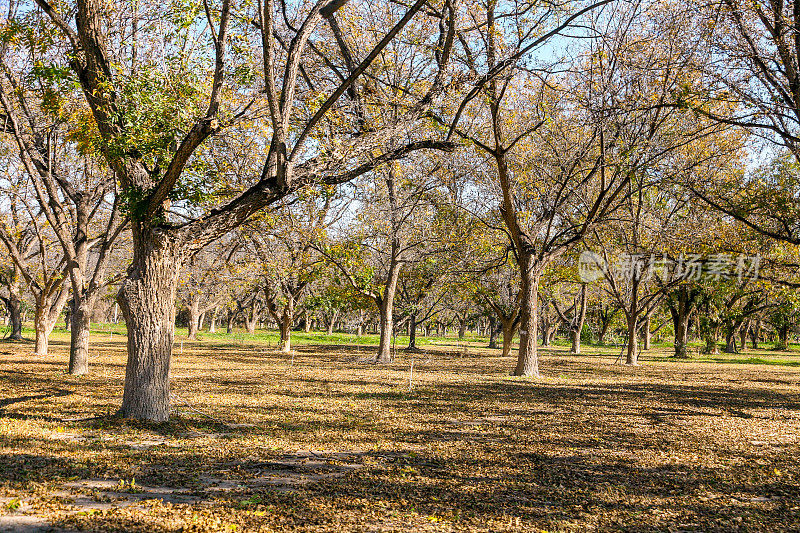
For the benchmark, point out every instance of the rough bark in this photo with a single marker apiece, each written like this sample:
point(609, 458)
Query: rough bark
point(783, 338)
point(755, 332)
point(632, 319)
point(711, 341)
point(412, 333)
point(251, 319)
point(743, 336)
point(332, 322)
point(48, 309)
point(680, 310)
point(193, 310)
point(632, 355)
point(80, 322)
point(462, 327)
point(730, 341)
point(285, 324)
point(229, 321)
point(212, 323)
point(14, 305)
point(509, 326)
point(147, 299)
point(528, 357)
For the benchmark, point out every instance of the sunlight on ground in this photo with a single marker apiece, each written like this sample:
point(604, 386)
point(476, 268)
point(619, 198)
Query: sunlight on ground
point(320, 442)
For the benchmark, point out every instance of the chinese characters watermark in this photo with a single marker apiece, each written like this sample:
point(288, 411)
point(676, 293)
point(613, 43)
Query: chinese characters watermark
point(689, 267)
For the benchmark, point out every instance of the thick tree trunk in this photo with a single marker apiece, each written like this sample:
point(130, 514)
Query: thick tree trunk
point(15, 316)
point(711, 342)
point(332, 323)
point(251, 319)
point(545, 333)
point(730, 340)
point(412, 333)
point(462, 327)
point(42, 327)
point(147, 298)
point(632, 318)
point(229, 321)
point(528, 357)
point(743, 336)
point(632, 355)
point(386, 305)
point(286, 336)
point(755, 332)
point(48, 309)
point(575, 340)
point(212, 324)
point(387, 326)
point(194, 319)
point(783, 338)
point(80, 322)
point(680, 323)
point(601, 335)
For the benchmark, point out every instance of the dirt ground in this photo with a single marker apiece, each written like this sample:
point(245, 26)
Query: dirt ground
point(318, 441)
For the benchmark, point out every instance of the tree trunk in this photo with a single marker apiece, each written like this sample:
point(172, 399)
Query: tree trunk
point(508, 328)
point(387, 326)
point(493, 332)
point(194, 319)
point(147, 298)
point(80, 322)
point(229, 321)
point(332, 323)
point(251, 319)
point(743, 336)
point(528, 357)
point(632, 317)
point(580, 318)
point(286, 323)
point(632, 355)
point(783, 338)
point(646, 336)
point(212, 324)
point(48, 309)
point(386, 305)
point(711, 341)
point(680, 323)
point(601, 335)
point(462, 327)
point(730, 340)
point(755, 332)
point(412, 333)
point(14, 305)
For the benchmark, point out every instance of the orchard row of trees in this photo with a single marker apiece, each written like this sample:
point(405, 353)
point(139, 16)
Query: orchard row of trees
point(403, 157)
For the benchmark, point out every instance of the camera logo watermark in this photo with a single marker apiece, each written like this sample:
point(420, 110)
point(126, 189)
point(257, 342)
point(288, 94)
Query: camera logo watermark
point(689, 267)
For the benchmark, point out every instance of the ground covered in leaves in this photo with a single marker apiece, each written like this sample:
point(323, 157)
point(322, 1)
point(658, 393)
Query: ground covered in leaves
point(320, 441)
